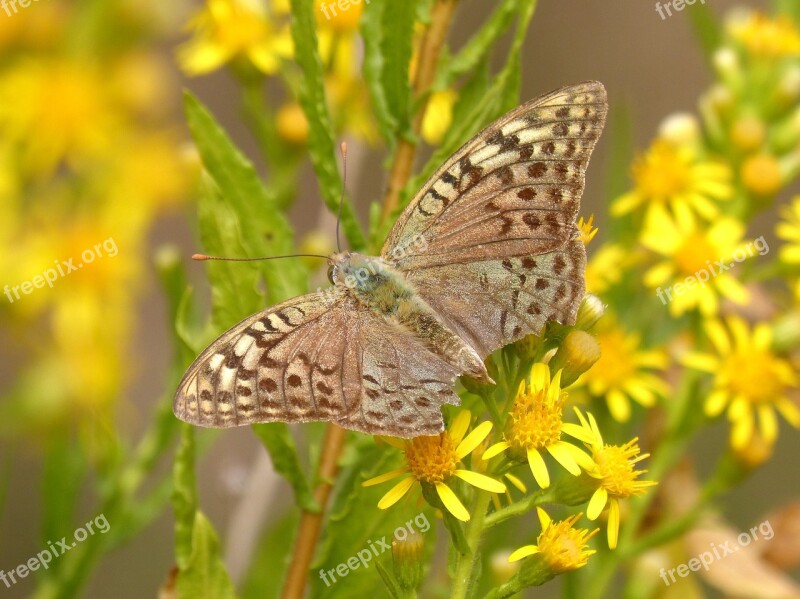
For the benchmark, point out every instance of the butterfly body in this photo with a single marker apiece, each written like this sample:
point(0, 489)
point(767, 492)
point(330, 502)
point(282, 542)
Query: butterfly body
point(387, 292)
point(485, 254)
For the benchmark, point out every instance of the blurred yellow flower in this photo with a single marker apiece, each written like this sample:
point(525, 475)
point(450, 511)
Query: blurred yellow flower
point(562, 547)
point(606, 267)
point(749, 379)
point(83, 123)
point(765, 37)
point(694, 274)
point(433, 460)
point(614, 469)
point(535, 426)
point(761, 174)
point(339, 15)
point(292, 124)
point(624, 372)
point(673, 176)
point(225, 30)
point(438, 116)
point(789, 230)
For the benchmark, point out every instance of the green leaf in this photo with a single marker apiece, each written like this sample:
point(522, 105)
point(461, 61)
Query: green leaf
point(321, 136)
point(790, 8)
point(706, 29)
point(356, 524)
point(278, 440)
point(252, 211)
point(204, 575)
point(373, 68)
point(396, 48)
point(184, 495)
point(479, 47)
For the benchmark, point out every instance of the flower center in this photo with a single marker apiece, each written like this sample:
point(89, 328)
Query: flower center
point(535, 421)
point(661, 174)
point(562, 546)
point(616, 470)
point(432, 459)
point(752, 375)
point(694, 254)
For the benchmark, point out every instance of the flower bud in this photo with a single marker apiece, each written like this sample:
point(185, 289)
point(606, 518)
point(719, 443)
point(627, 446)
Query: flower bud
point(761, 175)
point(291, 124)
point(577, 353)
point(590, 312)
point(680, 128)
point(748, 133)
point(407, 559)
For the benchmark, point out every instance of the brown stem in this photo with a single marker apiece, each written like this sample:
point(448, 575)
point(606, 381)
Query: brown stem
point(429, 50)
point(311, 522)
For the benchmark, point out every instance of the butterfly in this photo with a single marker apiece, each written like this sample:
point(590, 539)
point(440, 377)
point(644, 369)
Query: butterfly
point(486, 253)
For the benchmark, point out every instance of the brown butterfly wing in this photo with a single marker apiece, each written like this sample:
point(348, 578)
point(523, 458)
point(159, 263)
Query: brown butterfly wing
point(501, 255)
point(313, 358)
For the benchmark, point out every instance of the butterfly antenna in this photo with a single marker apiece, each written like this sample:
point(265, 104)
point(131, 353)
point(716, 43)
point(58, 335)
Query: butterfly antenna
point(203, 257)
point(343, 149)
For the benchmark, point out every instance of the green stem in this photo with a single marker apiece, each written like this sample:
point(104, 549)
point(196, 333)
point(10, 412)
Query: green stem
point(518, 508)
point(465, 568)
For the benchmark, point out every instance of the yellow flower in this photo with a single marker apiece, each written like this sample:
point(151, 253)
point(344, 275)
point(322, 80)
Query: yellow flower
point(292, 124)
point(606, 267)
point(225, 30)
point(340, 16)
point(438, 116)
point(433, 460)
point(761, 174)
point(765, 37)
point(614, 469)
point(694, 274)
point(789, 231)
point(673, 176)
point(749, 379)
point(623, 372)
point(587, 229)
point(535, 425)
point(562, 547)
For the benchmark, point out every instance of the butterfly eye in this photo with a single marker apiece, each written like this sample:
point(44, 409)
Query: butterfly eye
point(330, 274)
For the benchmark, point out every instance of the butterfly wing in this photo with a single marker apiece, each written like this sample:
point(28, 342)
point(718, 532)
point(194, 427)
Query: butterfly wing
point(318, 357)
point(500, 251)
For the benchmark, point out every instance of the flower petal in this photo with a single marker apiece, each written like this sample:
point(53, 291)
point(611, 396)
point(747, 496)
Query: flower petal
point(538, 468)
point(564, 457)
point(523, 552)
point(597, 503)
point(459, 426)
point(495, 450)
point(451, 502)
point(481, 481)
point(544, 517)
point(396, 493)
point(516, 482)
point(384, 477)
point(613, 524)
point(475, 438)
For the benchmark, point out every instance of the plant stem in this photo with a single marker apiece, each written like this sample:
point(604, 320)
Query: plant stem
point(463, 579)
point(311, 522)
point(429, 50)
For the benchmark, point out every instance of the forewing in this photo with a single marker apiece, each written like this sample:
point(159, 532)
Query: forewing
point(513, 190)
point(318, 357)
point(499, 255)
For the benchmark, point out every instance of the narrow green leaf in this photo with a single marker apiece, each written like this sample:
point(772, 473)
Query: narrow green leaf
point(262, 228)
point(321, 136)
point(204, 575)
point(184, 495)
point(706, 28)
point(396, 48)
point(373, 68)
point(278, 440)
point(479, 47)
